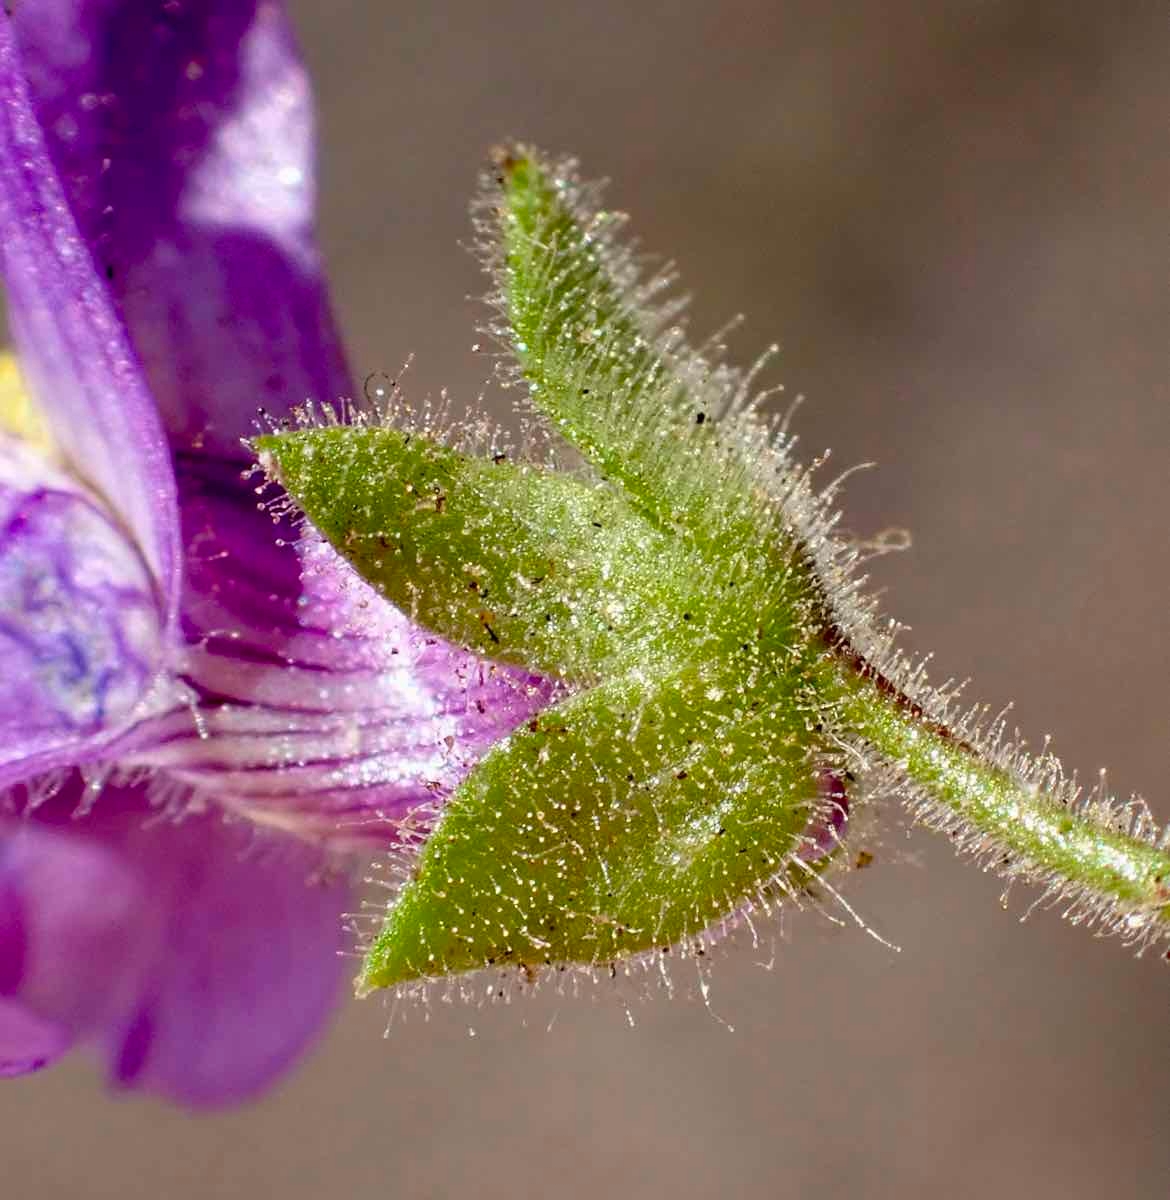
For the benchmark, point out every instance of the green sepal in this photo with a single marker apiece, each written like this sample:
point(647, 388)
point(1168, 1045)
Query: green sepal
point(521, 563)
point(703, 606)
point(626, 819)
point(514, 561)
point(612, 372)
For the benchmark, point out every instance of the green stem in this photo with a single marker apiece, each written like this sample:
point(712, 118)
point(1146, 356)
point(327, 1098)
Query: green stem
point(1077, 849)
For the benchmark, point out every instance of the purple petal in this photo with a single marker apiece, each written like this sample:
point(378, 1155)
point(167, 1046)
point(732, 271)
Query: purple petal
point(323, 708)
point(72, 921)
point(205, 961)
point(80, 637)
point(28, 1042)
point(826, 831)
point(185, 134)
point(72, 344)
point(248, 968)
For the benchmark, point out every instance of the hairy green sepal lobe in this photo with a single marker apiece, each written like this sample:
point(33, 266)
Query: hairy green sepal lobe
point(628, 818)
point(519, 563)
point(611, 371)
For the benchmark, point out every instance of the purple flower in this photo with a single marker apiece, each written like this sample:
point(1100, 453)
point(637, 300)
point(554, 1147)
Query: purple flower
point(201, 716)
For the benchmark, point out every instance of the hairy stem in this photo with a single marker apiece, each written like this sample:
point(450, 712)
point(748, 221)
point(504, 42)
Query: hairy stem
point(1085, 850)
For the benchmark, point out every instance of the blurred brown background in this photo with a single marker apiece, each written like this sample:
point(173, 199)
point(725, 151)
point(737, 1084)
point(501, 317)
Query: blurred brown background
point(952, 216)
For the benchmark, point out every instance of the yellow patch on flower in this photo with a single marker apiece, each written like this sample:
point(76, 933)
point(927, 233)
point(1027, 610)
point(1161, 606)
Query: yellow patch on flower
point(18, 414)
